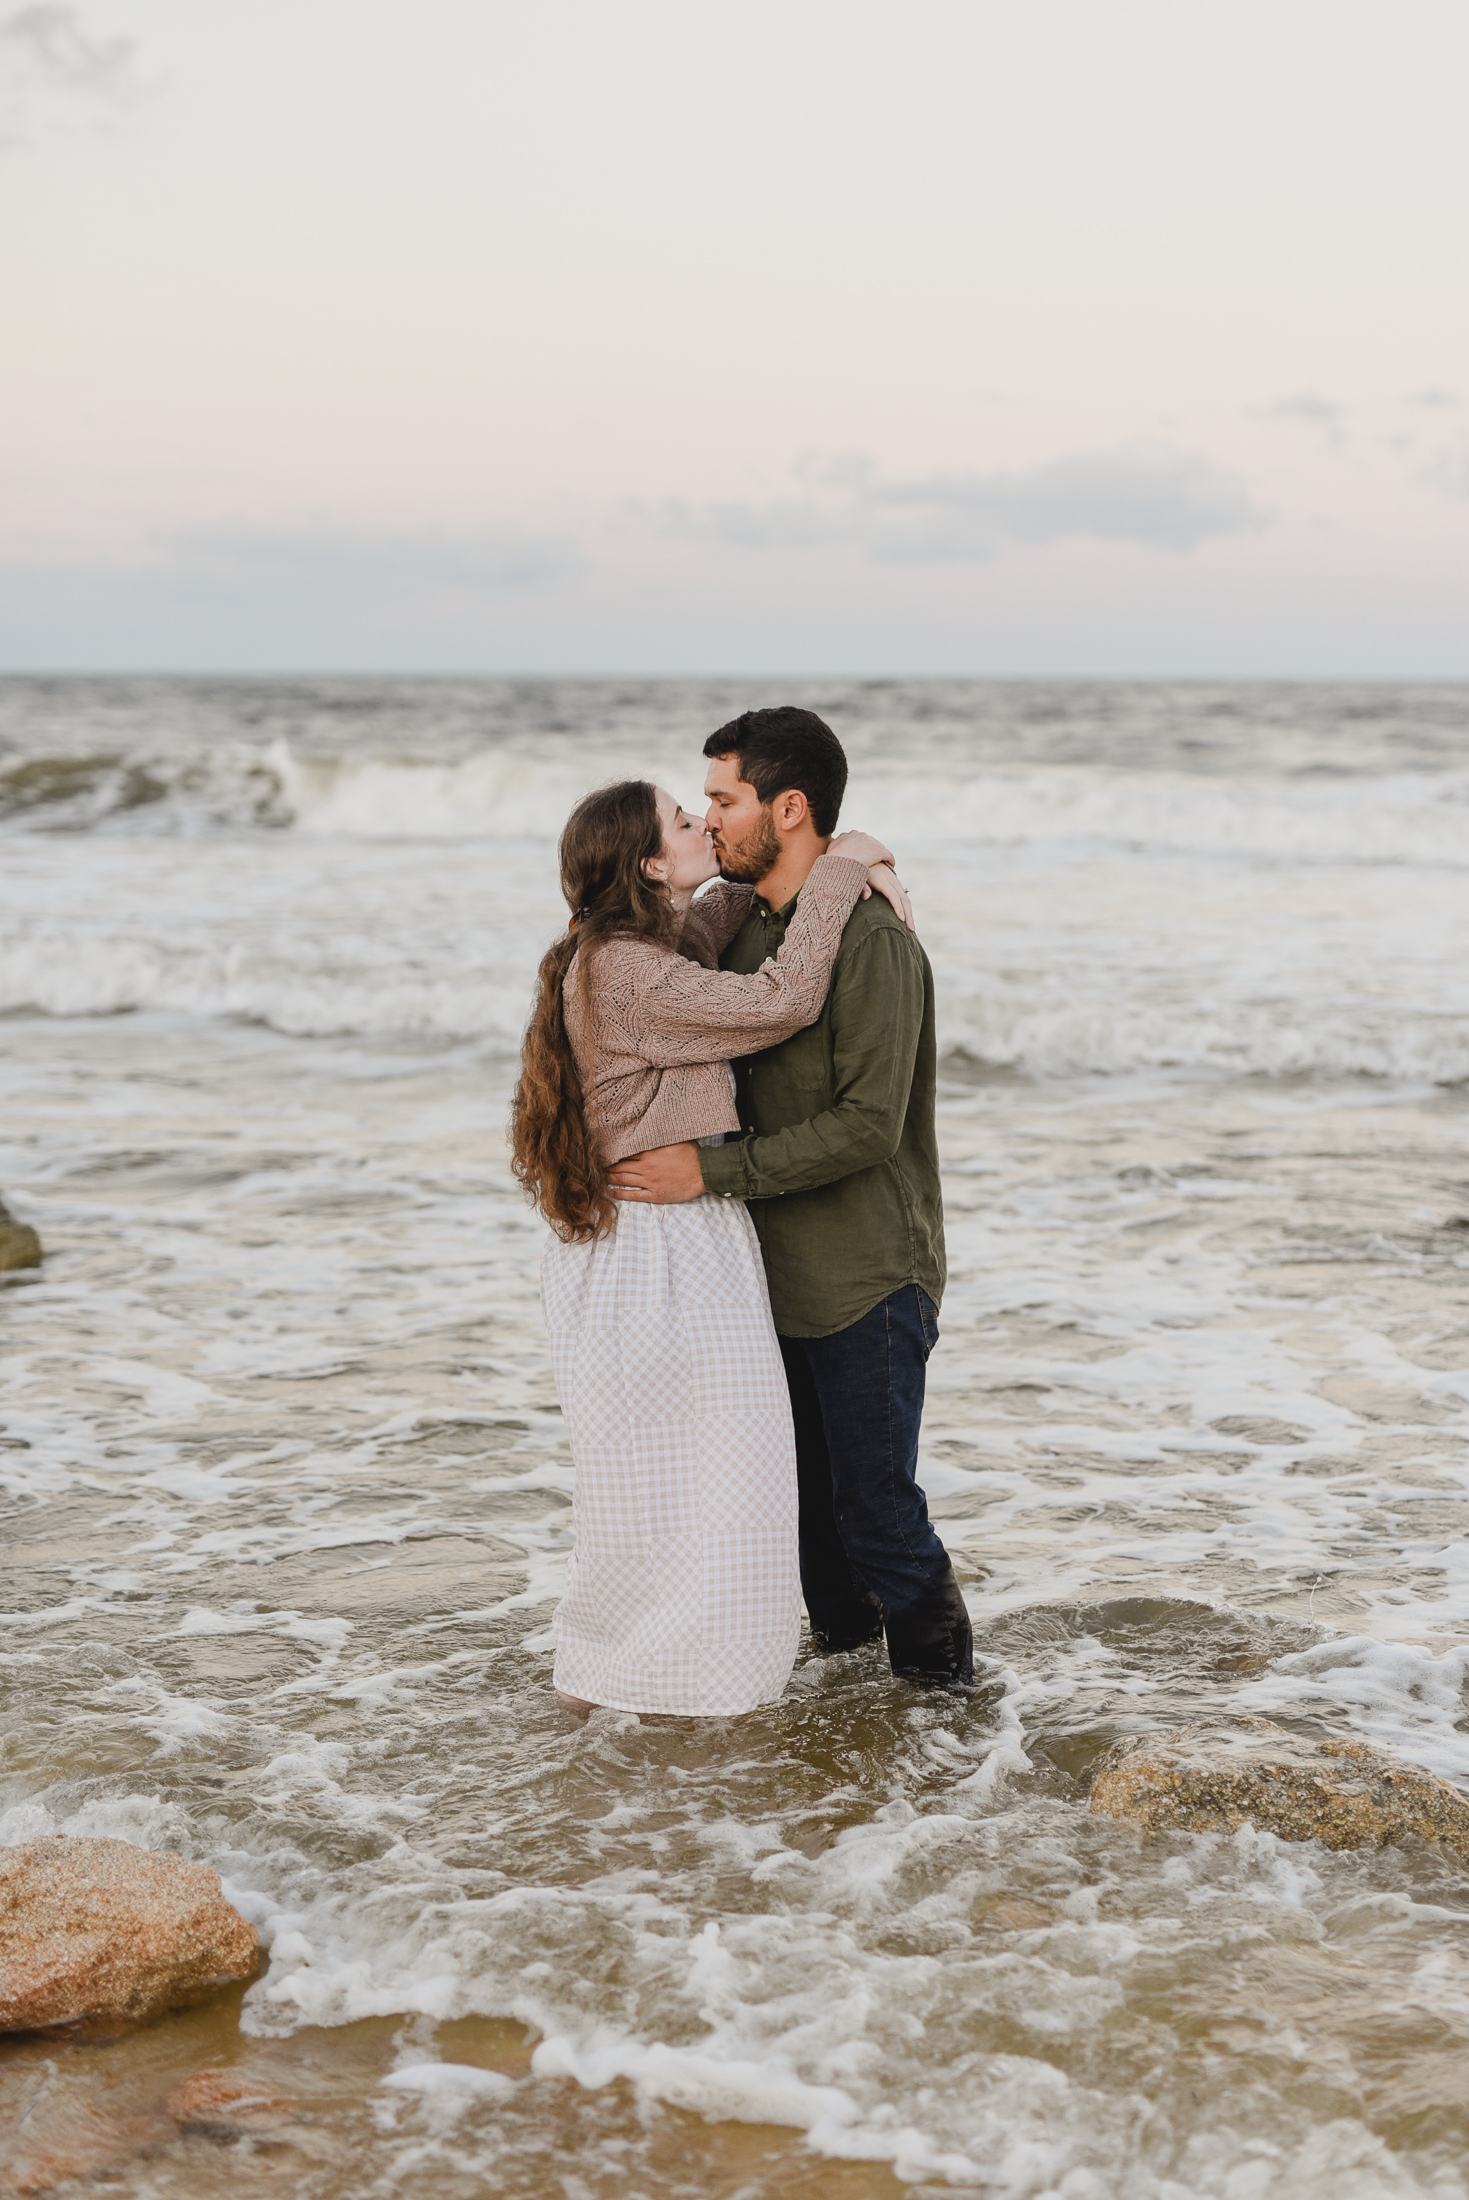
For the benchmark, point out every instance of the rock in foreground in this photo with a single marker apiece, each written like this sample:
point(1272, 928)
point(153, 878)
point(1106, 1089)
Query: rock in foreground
point(105, 1931)
point(19, 1245)
point(1216, 1778)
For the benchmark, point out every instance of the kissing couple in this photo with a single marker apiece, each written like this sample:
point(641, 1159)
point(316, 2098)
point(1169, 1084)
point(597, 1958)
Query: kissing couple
point(726, 1115)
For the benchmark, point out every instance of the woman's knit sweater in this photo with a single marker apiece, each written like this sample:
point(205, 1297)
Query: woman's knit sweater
point(652, 1043)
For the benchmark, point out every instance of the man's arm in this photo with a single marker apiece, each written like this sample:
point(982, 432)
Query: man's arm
point(876, 1022)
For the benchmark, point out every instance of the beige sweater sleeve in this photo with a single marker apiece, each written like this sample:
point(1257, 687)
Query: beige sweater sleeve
point(670, 1011)
point(720, 910)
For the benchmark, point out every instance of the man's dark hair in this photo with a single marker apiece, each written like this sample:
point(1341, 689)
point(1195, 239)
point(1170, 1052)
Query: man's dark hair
point(786, 747)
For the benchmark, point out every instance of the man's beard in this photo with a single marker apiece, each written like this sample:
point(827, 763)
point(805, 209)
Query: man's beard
point(747, 863)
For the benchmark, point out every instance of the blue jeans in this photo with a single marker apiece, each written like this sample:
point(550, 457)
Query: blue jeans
point(870, 1560)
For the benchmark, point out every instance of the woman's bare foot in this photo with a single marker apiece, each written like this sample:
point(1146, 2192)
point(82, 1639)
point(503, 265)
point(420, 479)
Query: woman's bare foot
point(574, 1705)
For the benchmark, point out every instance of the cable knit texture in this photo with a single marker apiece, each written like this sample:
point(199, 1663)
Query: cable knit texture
point(652, 1042)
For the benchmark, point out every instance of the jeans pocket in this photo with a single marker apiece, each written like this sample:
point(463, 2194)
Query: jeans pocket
point(928, 1318)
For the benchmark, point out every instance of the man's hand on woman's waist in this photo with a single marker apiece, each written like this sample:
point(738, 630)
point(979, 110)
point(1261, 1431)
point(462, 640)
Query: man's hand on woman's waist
point(663, 1177)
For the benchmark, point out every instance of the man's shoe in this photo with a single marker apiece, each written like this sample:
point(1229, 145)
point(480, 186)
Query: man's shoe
point(931, 1642)
point(828, 1644)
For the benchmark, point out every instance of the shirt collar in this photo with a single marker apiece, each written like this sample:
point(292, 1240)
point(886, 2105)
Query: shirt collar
point(785, 912)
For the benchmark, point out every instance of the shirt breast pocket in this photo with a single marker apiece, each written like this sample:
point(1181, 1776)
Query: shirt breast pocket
point(801, 1067)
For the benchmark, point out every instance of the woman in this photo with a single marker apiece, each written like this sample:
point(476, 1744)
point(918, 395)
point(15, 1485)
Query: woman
point(682, 1594)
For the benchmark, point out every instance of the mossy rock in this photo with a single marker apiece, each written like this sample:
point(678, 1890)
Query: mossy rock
point(1217, 1777)
point(19, 1245)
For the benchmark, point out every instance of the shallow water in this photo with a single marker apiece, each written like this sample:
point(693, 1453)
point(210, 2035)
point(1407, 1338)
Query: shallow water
point(289, 1498)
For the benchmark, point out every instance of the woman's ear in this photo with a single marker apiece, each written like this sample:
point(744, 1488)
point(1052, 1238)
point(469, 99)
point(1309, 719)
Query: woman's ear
point(655, 871)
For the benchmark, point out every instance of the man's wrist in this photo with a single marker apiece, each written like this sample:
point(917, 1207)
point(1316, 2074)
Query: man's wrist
point(722, 1169)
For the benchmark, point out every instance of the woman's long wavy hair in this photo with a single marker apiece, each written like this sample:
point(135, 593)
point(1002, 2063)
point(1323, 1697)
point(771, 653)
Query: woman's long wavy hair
point(608, 838)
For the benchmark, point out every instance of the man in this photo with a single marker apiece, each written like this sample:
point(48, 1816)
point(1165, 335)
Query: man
point(838, 1158)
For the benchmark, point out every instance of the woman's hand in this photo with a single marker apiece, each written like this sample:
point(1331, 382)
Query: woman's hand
point(860, 847)
point(883, 879)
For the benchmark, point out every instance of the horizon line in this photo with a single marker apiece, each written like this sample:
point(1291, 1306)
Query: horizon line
point(872, 679)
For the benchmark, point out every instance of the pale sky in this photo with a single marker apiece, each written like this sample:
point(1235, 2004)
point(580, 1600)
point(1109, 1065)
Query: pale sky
point(992, 336)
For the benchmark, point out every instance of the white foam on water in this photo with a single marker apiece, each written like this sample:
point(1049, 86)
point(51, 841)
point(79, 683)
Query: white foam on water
point(1048, 963)
point(505, 793)
point(490, 797)
point(463, 2081)
point(147, 1821)
point(330, 1634)
point(1403, 1697)
point(808, 2023)
point(1332, 805)
point(1196, 1436)
point(1418, 820)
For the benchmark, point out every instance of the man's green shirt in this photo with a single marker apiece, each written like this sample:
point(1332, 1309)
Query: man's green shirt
point(837, 1151)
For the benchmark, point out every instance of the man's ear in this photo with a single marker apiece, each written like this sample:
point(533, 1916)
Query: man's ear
point(789, 809)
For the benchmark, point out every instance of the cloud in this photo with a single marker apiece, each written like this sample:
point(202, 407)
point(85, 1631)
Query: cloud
point(1170, 499)
point(46, 54)
point(346, 565)
point(1449, 470)
point(1433, 400)
point(289, 598)
point(1146, 493)
point(1307, 410)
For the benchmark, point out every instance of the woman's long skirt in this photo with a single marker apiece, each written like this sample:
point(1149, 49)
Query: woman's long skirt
point(683, 1593)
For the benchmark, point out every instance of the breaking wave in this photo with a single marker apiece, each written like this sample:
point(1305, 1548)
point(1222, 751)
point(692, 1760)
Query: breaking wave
point(510, 793)
point(1102, 908)
point(312, 993)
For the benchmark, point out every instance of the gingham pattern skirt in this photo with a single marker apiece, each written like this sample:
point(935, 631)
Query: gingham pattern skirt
point(683, 1593)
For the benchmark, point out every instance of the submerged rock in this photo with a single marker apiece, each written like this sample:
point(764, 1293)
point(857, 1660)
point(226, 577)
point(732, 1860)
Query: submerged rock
point(1215, 1778)
point(105, 1931)
point(213, 2101)
point(1012, 1913)
point(63, 2134)
point(19, 1245)
point(66, 2121)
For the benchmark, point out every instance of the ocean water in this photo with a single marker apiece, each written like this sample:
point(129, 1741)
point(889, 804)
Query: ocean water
point(288, 1499)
